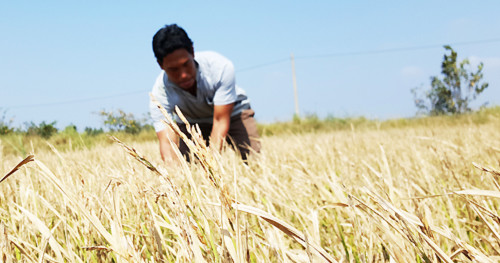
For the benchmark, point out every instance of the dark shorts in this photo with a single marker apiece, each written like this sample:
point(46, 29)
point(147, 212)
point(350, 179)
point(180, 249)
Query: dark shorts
point(242, 134)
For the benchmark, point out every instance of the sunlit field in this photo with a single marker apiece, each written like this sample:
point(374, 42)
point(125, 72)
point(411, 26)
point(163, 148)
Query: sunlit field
point(396, 191)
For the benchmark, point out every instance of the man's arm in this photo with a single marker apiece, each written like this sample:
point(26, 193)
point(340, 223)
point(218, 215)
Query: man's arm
point(166, 150)
point(222, 120)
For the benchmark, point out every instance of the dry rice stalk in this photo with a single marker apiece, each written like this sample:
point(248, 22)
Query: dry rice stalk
point(44, 246)
point(407, 216)
point(408, 220)
point(176, 203)
point(213, 168)
point(14, 241)
point(94, 220)
point(285, 228)
point(486, 169)
point(5, 249)
point(46, 234)
point(391, 221)
point(101, 248)
point(23, 162)
point(425, 228)
point(476, 192)
point(471, 252)
point(457, 253)
point(490, 227)
point(435, 247)
point(205, 157)
point(495, 173)
point(487, 211)
point(451, 145)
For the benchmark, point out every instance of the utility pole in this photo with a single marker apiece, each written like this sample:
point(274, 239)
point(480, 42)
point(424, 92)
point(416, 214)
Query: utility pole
point(295, 86)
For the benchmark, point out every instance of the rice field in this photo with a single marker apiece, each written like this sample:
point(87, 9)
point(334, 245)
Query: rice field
point(422, 193)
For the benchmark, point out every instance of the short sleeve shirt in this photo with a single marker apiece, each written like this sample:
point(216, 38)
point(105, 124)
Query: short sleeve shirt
point(216, 85)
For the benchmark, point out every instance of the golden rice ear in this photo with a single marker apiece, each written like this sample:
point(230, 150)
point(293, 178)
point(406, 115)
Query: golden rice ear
point(285, 228)
point(46, 234)
point(23, 162)
point(176, 203)
point(181, 116)
point(476, 192)
point(170, 122)
point(173, 125)
point(486, 169)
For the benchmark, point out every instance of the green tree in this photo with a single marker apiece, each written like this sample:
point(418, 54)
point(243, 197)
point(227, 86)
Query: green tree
point(453, 93)
point(93, 131)
point(5, 126)
point(70, 130)
point(121, 121)
point(44, 130)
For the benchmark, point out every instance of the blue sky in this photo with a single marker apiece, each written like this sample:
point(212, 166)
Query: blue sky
point(66, 60)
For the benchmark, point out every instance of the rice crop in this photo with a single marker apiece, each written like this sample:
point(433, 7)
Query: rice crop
point(422, 193)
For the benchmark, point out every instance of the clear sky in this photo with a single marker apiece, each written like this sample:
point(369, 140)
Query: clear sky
point(66, 60)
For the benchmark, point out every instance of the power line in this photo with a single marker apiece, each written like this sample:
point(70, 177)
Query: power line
point(353, 53)
point(76, 100)
point(264, 65)
point(372, 52)
point(390, 50)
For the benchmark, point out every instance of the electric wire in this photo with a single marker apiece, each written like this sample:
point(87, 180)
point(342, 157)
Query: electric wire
point(402, 49)
point(278, 61)
point(77, 100)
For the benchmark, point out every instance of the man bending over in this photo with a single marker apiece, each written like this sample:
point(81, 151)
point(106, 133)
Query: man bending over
point(202, 85)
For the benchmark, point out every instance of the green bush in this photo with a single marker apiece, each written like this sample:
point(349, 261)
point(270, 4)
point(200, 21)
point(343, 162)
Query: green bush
point(93, 131)
point(122, 121)
point(5, 126)
point(5, 129)
point(70, 130)
point(44, 130)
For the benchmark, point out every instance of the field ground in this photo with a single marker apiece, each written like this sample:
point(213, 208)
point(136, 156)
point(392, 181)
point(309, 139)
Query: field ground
point(411, 191)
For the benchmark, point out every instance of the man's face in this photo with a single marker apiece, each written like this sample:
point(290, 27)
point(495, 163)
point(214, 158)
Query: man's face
point(180, 68)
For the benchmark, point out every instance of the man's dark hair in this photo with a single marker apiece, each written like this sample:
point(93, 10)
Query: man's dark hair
point(170, 38)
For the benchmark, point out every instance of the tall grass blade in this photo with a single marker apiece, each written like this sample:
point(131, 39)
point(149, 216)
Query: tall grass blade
point(23, 162)
point(285, 228)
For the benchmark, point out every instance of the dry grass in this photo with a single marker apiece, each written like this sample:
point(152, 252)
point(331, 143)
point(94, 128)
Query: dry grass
point(413, 194)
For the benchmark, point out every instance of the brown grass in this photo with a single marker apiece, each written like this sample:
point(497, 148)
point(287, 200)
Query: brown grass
point(414, 194)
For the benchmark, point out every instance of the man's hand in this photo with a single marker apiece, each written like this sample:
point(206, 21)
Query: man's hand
point(167, 152)
point(222, 120)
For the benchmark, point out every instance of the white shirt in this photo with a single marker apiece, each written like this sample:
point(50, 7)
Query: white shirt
point(216, 85)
